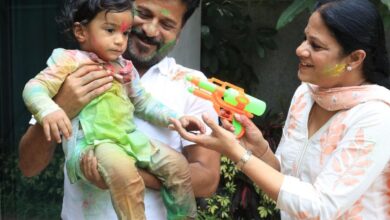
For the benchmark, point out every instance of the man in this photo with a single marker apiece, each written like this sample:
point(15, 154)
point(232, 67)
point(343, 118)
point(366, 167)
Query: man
point(157, 26)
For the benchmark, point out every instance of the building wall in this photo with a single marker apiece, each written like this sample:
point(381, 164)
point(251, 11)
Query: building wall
point(187, 50)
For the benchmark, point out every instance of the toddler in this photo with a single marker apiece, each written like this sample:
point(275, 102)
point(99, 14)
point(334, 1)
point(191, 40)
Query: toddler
point(101, 28)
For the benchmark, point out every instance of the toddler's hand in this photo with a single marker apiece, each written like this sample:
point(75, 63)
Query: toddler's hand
point(124, 79)
point(191, 123)
point(56, 123)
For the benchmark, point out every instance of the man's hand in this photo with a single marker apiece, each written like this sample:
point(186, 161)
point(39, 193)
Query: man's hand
point(82, 86)
point(55, 124)
point(89, 167)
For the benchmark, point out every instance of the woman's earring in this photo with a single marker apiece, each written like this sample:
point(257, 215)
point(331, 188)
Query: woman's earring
point(349, 68)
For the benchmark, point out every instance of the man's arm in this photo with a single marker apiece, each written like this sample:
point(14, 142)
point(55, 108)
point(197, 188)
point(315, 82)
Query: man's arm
point(35, 152)
point(204, 169)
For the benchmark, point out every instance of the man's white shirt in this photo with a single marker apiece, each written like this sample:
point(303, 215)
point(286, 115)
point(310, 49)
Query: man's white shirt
point(166, 82)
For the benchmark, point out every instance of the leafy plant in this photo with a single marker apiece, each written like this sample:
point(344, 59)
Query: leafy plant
point(298, 6)
point(231, 40)
point(38, 197)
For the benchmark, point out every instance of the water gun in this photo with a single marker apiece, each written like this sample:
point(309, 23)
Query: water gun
point(232, 99)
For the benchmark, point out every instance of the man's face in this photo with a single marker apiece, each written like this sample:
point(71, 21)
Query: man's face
point(156, 27)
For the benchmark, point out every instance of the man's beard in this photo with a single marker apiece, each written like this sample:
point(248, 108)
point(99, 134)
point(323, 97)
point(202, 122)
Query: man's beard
point(156, 56)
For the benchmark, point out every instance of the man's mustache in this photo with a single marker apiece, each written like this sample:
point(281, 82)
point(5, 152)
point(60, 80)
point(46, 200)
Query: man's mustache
point(142, 36)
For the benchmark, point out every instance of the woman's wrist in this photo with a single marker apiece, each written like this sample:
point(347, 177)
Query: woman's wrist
point(243, 159)
point(236, 153)
point(262, 150)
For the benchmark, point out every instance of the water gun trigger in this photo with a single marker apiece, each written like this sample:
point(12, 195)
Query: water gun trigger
point(239, 130)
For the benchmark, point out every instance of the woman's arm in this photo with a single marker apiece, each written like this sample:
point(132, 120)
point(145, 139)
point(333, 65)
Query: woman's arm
point(254, 141)
point(354, 166)
point(226, 143)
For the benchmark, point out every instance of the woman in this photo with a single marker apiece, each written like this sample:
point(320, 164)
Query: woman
point(333, 159)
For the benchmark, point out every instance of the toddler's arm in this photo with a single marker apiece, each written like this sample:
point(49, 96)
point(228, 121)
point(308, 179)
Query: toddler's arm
point(147, 107)
point(38, 92)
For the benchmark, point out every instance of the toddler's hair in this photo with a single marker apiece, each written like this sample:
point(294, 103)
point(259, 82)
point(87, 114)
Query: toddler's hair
point(84, 11)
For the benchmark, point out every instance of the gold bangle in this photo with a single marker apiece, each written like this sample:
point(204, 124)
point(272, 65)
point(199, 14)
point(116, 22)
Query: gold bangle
point(245, 157)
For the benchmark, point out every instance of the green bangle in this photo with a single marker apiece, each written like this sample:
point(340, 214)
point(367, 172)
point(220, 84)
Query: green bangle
point(245, 157)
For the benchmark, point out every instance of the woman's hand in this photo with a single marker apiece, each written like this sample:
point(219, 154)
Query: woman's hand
point(222, 139)
point(219, 140)
point(253, 138)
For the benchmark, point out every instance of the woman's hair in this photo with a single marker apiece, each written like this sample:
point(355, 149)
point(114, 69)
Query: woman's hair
point(356, 24)
point(84, 11)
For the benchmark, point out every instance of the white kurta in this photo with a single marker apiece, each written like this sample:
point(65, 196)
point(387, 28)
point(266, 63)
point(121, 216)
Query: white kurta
point(340, 172)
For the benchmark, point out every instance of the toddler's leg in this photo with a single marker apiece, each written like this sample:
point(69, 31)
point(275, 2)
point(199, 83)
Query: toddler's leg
point(126, 185)
point(171, 167)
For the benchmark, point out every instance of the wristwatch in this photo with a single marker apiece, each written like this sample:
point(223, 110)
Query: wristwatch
point(245, 157)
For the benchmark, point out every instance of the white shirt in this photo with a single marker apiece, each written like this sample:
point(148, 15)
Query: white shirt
point(166, 82)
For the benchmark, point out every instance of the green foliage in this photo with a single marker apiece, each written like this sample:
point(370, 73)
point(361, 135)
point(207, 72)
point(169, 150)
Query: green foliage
point(386, 3)
point(38, 197)
point(237, 196)
point(298, 6)
point(231, 40)
point(384, 9)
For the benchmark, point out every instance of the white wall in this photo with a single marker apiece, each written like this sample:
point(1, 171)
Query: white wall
point(187, 50)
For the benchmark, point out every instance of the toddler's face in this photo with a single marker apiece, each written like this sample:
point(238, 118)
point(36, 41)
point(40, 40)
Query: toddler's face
point(107, 34)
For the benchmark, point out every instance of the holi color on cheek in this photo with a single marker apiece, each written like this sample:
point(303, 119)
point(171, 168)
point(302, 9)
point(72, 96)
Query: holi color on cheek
point(335, 70)
point(167, 46)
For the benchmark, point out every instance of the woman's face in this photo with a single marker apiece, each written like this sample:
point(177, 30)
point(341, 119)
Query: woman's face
point(321, 59)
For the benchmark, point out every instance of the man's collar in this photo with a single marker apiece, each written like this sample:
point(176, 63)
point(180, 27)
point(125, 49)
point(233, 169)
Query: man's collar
point(163, 66)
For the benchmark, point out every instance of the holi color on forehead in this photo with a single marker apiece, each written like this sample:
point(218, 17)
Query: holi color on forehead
point(125, 26)
point(335, 70)
point(165, 12)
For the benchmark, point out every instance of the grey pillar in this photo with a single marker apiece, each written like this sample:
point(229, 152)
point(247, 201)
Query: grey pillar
point(187, 50)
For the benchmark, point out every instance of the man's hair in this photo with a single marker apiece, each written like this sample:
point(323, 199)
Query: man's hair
point(191, 6)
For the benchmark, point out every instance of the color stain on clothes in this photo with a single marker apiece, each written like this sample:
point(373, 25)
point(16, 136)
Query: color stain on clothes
point(179, 75)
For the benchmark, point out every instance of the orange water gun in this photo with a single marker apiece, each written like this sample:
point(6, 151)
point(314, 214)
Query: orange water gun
point(232, 99)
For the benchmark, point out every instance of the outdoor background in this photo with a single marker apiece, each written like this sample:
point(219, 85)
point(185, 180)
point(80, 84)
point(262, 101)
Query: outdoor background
point(250, 43)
